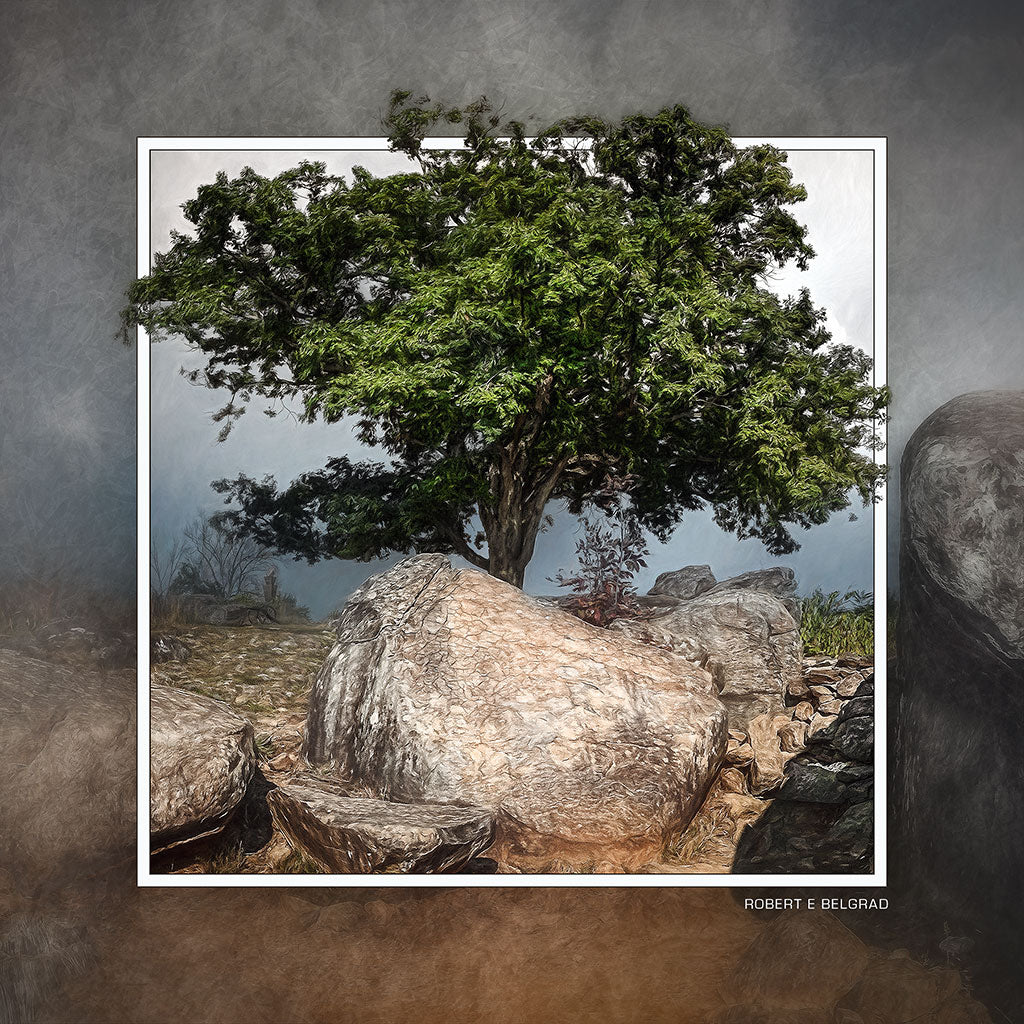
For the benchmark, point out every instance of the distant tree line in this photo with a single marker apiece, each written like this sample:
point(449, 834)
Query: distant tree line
point(206, 561)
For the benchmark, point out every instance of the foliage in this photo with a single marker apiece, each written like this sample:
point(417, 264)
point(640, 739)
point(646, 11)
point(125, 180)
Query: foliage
point(223, 564)
point(297, 863)
point(165, 567)
point(209, 561)
point(513, 320)
point(230, 861)
point(834, 624)
point(265, 746)
point(189, 580)
point(289, 609)
point(609, 557)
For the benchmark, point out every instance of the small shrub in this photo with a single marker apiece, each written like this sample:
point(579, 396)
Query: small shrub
point(609, 557)
point(289, 609)
point(228, 862)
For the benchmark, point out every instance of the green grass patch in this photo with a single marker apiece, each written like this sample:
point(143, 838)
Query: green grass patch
point(297, 863)
point(835, 624)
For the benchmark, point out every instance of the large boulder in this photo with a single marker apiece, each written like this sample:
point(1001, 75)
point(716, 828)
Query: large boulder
point(202, 756)
point(344, 833)
point(450, 686)
point(684, 584)
point(747, 639)
point(957, 829)
point(67, 765)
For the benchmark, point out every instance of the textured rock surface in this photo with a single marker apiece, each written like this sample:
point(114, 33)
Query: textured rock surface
point(450, 686)
point(821, 818)
point(747, 640)
point(963, 495)
point(956, 762)
point(779, 581)
point(346, 834)
point(202, 758)
point(685, 583)
point(803, 960)
point(67, 742)
point(895, 989)
point(769, 761)
point(164, 647)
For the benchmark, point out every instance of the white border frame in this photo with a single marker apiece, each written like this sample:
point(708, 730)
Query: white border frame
point(795, 881)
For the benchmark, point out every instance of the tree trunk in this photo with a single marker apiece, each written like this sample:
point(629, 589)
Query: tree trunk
point(512, 522)
point(505, 554)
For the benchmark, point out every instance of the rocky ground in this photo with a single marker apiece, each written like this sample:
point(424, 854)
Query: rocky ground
point(105, 969)
point(266, 672)
point(263, 672)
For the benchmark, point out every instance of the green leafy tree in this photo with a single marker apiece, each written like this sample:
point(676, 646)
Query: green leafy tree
point(512, 322)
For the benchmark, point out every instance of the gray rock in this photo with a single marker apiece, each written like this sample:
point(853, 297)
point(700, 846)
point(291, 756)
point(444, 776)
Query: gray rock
point(202, 758)
point(798, 690)
point(810, 824)
point(963, 490)
point(804, 711)
point(793, 736)
point(818, 723)
point(867, 687)
point(740, 754)
point(779, 581)
point(67, 754)
point(164, 647)
point(854, 771)
point(747, 640)
point(793, 837)
point(957, 753)
point(854, 831)
point(861, 706)
point(848, 686)
point(853, 739)
point(814, 783)
point(450, 686)
point(347, 834)
point(685, 583)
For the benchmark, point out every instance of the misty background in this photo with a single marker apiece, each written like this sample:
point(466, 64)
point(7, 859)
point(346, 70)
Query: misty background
point(185, 455)
point(80, 82)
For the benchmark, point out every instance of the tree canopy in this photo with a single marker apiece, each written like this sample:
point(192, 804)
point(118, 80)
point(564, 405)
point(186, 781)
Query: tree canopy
point(515, 321)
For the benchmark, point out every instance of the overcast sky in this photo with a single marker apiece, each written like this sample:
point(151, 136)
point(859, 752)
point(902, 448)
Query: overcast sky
point(186, 456)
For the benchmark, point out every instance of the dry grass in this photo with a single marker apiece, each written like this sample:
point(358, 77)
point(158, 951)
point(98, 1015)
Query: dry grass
point(231, 861)
point(264, 672)
point(167, 613)
point(297, 863)
point(37, 954)
point(706, 836)
point(27, 606)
